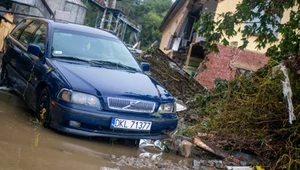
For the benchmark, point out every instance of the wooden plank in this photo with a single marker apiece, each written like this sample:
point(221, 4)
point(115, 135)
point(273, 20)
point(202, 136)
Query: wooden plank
point(213, 149)
point(188, 57)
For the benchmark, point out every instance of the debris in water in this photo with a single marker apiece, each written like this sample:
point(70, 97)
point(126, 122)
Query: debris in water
point(151, 149)
point(287, 92)
point(180, 107)
point(186, 148)
point(239, 167)
point(4, 88)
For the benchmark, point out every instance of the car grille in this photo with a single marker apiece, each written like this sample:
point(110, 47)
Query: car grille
point(131, 105)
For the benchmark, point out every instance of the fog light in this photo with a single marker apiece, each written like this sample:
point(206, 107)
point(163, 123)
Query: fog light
point(74, 123)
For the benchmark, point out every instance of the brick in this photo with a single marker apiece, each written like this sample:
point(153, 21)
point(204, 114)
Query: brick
point(223, 64)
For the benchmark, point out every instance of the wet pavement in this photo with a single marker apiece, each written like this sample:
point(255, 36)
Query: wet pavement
point(27, 145)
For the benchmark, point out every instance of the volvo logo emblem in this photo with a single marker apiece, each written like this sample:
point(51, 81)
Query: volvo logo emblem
point(131, 104)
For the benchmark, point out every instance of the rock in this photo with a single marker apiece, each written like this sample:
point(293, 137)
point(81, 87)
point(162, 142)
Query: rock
point(168, 161)
point(219, 165)
point(210, 163)
point(203, 168)
point(113, 156)
point(183, 162)
point(107, 168)
point(186, 148)
point(243, 163)
point(202, 162)
point(123, 157)
point(196, 163)
point(194, 117)
point(162, 166)
point(231, 163)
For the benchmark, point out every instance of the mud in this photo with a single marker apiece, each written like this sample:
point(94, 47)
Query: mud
point(27, 145)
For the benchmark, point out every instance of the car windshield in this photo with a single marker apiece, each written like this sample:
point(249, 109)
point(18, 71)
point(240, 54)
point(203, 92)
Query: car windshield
point(91, 48)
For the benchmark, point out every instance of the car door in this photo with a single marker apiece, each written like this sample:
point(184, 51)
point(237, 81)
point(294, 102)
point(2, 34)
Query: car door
point(12, 51)
point(36, 70)
point(19, 60)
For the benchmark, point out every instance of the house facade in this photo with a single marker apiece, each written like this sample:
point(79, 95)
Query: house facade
point(182, 43)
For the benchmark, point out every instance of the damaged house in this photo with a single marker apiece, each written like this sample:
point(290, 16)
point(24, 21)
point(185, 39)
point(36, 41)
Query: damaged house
point(182, 43)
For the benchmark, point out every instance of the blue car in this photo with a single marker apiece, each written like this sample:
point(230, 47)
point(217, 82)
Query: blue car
point(84, 81)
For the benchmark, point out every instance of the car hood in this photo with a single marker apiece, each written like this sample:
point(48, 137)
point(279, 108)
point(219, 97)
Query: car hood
point(108, 82)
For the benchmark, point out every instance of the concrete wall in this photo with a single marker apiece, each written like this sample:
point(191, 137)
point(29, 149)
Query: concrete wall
point(56, 4)
point(77, 11)
point(170, 28)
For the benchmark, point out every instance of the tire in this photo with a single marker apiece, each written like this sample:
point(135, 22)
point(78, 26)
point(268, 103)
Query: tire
point(43, 108)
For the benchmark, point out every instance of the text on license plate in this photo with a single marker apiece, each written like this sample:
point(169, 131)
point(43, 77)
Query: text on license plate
point(130, 124)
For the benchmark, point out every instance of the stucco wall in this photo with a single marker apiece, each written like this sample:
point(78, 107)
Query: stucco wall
point(229, 6)
point(171, 27)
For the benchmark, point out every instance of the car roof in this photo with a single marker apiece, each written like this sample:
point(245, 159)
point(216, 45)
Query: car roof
point(75, 27)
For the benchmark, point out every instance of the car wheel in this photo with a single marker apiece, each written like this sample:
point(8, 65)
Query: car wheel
point(43, 108)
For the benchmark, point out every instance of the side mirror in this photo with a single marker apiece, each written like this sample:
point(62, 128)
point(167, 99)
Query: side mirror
point(35, 50)
point(145, 66)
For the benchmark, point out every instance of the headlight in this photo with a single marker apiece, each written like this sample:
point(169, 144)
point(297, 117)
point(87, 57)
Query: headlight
point(79, 98)
point(167, 108)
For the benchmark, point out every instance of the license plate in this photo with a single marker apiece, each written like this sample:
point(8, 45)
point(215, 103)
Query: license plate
point(130, 124)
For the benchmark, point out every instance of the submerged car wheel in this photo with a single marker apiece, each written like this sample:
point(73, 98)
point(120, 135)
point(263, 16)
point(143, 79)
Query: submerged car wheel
point(43, 108)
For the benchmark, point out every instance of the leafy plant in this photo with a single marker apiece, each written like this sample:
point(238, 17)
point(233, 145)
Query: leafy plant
point(256, 18)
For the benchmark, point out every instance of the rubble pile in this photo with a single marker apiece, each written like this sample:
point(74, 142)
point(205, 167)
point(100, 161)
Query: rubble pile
point(171, 76)
point(251, 114)
point(183, 87)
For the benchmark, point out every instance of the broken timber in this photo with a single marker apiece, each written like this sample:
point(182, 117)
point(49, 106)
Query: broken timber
point(214, 150)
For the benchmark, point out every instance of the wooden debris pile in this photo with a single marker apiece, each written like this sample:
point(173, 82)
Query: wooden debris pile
point(250, 113)
point(183, 87)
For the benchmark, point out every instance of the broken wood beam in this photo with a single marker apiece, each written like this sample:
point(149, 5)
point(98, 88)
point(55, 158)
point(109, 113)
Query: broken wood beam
point(214, 150)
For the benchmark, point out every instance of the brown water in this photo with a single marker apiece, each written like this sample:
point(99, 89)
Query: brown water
point(25, 145)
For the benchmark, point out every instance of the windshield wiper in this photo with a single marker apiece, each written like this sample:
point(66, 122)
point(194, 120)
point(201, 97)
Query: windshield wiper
point(109, 63)
point(70, 58)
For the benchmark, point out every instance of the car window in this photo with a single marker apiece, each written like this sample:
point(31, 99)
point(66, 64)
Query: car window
point(40, 37)
point(17, 31)
point(28, 33)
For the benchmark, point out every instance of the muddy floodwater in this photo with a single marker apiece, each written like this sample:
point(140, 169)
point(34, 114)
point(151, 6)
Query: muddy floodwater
point(26, 145)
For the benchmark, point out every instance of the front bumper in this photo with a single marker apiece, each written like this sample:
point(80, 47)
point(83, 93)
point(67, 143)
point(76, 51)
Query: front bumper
point(98, 123)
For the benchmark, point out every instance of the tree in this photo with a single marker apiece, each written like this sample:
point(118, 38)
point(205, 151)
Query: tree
point(148, 13)
point(91, 15)
point(269, 13)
